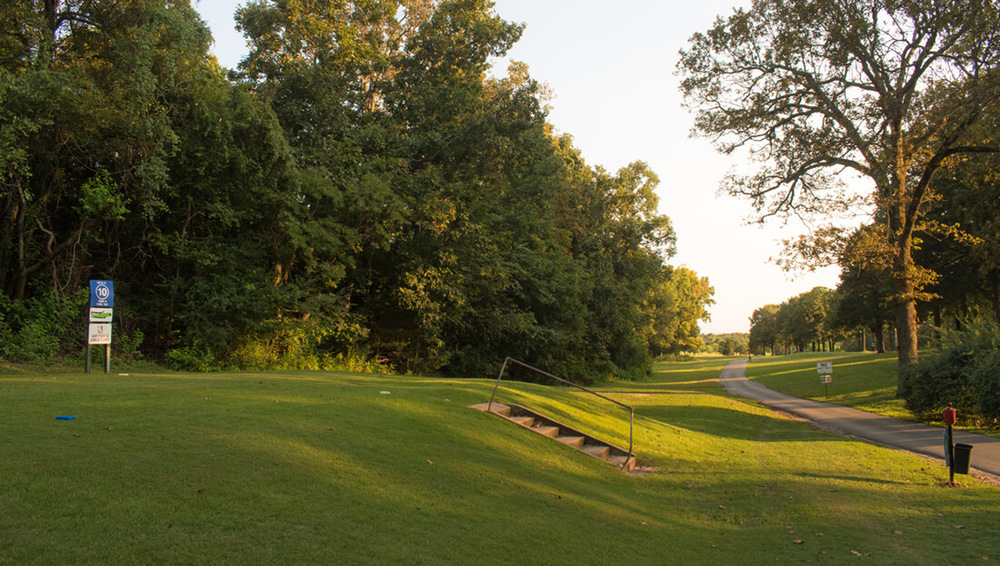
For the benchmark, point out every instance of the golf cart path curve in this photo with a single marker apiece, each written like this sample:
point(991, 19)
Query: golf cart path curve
point(914, 437)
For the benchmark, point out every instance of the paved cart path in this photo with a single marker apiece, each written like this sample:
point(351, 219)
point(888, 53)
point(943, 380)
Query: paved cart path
point(914, 437)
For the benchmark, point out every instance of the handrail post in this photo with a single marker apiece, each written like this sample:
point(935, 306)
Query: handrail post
point(489, 408)
point(631, 426)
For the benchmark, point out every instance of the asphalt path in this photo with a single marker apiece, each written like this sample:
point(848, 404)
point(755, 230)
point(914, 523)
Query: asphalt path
point(886, 431)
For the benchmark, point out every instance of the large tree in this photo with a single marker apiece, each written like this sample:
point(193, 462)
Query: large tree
point(126, 154)
point(887, 89)
point(865, 287)
point(962, 242)
point(765, 331)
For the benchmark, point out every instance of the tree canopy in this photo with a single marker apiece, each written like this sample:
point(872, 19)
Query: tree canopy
point(886, 89)
point(359, 192)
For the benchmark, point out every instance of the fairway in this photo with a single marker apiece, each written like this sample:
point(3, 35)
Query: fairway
point(324, 468)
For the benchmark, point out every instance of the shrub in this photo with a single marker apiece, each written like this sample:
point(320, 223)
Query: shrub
point(41, 329)
point(963, 373)
point(191, 359)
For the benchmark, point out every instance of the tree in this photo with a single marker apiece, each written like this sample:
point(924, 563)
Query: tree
point(358, 188)
point(962, 240)
point(677, 302)
point(765, 331)
point(863, 293)
point(84, 126)
point(891, 90)
point(803, 318)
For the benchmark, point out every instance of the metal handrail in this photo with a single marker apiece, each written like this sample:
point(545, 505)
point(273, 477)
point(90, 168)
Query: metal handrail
point(631, 410)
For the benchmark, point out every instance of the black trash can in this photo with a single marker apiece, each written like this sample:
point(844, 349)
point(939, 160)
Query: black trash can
point(963, 455)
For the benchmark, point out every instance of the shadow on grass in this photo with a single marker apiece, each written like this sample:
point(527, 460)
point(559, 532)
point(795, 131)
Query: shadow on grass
point(833, 477)
point(733, 423)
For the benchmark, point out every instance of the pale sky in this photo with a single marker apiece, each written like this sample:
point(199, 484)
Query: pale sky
point(611, 68)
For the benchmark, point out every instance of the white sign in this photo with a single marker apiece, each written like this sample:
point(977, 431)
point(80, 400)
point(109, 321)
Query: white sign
point(98, 314)
point(99, 333)
point(825, 368)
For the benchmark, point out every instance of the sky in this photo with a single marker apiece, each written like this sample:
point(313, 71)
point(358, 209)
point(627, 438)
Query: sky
point(610, 66)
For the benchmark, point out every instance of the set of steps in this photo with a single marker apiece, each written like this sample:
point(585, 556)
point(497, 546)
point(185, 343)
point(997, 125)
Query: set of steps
point(569, 436)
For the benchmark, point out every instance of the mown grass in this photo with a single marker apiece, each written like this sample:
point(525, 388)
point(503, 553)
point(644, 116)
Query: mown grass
point(321, 468)
point(863, 381)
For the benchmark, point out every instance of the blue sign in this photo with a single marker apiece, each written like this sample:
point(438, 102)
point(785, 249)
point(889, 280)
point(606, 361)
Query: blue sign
point(102, 294)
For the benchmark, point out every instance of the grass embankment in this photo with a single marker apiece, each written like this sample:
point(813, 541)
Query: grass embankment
point(322, 468)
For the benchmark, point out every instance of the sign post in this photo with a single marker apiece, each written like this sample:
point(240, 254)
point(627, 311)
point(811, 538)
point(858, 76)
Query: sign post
point(102, 301)
point(950, 416)
point(825, 370)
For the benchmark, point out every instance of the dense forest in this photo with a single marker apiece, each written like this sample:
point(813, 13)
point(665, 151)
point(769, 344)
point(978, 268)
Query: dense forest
point(358, 193)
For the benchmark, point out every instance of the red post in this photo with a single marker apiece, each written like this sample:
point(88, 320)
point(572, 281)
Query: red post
point(950, 415)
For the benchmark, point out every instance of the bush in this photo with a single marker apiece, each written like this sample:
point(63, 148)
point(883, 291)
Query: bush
point(42, 329)
point(964, 373)
point(191, 359)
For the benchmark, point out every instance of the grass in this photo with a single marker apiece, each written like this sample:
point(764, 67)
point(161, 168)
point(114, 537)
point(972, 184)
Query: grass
point(863, 381)
point(320, 468)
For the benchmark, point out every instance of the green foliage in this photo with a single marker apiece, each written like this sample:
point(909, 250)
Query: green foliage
point(127, 345)
point(357, 194)
point(730, 344)
point(765, 330)
point(186, 358)
point(961, 239)
point(962, 373)
point(41, 329)
point(99, 198)
point(800, 323)
point(813, 88)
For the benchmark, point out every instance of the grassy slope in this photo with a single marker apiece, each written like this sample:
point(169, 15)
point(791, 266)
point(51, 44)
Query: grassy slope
point(317, 468)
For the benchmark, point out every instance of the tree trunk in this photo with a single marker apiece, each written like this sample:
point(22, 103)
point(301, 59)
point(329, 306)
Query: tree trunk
point(906, 311)
point(878, 334)
point(901, 222)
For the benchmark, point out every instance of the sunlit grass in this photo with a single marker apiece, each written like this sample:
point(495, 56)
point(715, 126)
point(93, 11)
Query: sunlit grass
point(328, 468)
point(860, 380)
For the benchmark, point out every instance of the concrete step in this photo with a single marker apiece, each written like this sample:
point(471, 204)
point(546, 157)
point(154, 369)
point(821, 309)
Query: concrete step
point(598, 450)
point(569, 436)
point(545, 430)
point(495, 408)
point(574, 441)
point(523, 421)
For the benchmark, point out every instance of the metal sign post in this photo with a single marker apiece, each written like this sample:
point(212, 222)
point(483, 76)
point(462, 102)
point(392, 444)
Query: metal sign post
point(825, 380)
point(950, 416)
point(102, 301)
point(825, 370)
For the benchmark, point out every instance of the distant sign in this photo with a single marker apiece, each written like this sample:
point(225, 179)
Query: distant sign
point(99, 333)
point(826, 378)
point(824, 368)
point(98, 314)
point(102, 293)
